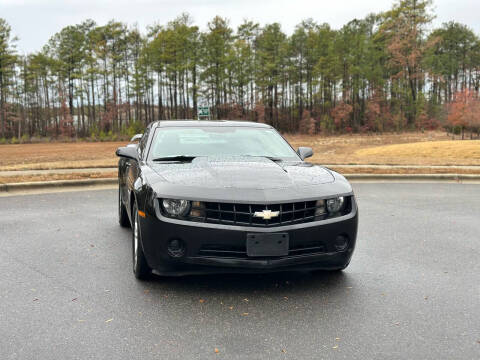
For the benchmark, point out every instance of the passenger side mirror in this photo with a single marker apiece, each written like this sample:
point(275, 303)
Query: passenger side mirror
point(136, 137)
point(129, 152)
point(304, 152)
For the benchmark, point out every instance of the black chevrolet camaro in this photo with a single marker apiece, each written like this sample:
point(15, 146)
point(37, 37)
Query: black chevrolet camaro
point(224, 196)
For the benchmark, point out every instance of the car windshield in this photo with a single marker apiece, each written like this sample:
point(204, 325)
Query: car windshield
point(220, 141)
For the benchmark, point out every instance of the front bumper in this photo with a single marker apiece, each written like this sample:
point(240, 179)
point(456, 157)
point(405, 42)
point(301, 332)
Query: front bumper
point(215, 248)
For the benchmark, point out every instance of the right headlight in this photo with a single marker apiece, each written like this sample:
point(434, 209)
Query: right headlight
point(335, 205)
point(176, 207)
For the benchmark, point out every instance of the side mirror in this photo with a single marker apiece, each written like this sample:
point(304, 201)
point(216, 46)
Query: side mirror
point(129, 152)
point(304, 152)
point(136, 137)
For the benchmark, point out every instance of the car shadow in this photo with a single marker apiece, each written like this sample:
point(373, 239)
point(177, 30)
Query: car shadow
point(231, 284)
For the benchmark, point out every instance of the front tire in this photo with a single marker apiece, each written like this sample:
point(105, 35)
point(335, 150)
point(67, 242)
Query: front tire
point(122, 211)
point(141, 270)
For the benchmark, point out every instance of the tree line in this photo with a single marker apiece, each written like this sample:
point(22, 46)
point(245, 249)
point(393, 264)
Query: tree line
point(386, 72)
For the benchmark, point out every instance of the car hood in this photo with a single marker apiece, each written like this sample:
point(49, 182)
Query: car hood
point(254, 179)
point(246, 173)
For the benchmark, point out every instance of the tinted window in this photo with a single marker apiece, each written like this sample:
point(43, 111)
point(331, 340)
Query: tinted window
point(215, 141)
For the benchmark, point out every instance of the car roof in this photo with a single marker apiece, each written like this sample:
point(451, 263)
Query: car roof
point(210, 123)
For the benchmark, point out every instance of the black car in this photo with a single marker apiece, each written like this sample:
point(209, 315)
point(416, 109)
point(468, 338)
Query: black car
point(225, 196)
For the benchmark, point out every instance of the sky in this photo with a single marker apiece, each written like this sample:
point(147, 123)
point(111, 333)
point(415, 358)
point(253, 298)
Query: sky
point(35, 21)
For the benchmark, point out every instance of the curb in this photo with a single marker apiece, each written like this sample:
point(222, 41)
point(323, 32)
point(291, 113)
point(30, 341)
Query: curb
point(353, 177)
point(414, 177)
point(55, 184)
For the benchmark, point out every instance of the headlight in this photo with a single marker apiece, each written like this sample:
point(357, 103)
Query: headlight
point(174, 207)
point(336, 204)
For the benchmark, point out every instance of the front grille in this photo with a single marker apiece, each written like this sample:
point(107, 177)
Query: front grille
point(244, 214)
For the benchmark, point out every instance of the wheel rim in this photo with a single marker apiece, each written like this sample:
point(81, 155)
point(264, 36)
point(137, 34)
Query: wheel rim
point(135, 243)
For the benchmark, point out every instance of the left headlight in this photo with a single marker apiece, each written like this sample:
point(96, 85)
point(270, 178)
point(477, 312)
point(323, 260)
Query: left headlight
point(175, 207)
point(335, 205)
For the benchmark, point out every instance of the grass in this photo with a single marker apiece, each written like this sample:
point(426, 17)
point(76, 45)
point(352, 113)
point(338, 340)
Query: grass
point(58, 155)
point(466, 152)
point(413, 148)
point(348, 149)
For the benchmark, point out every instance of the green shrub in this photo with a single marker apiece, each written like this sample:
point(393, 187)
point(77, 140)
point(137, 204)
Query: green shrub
point(102, 136)
point(327, 125)
point(135, 127)
point(94, 133)
point(14, 140)
point(3, 141)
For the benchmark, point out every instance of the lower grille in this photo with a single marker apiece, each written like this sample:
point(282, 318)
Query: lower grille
point(240, 252)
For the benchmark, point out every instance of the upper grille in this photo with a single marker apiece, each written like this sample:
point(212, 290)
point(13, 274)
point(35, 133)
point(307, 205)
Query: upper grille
point(244, 214)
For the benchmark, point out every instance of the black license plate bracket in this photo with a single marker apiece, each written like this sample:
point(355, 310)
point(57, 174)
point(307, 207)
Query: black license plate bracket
point(267, 244)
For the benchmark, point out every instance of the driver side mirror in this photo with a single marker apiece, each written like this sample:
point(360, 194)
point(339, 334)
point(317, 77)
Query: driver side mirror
point(129, 152)
point(304, 152)
point(136, 137)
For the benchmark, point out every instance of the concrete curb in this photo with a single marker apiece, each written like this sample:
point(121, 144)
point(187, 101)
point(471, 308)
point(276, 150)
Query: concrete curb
point(414, 177)
point(55, 184)
point(354, 177)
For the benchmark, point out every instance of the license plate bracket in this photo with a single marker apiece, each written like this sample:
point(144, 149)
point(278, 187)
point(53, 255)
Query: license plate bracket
point(260, 244)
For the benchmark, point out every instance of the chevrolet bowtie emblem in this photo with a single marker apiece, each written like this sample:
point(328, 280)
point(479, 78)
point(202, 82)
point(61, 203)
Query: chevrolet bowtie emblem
point(266, 214)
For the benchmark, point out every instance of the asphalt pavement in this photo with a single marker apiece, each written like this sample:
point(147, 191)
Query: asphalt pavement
point(412, 290)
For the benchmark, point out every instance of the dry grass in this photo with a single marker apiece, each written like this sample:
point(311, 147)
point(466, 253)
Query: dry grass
point(52, 177)
point(429, 148)
point(345, 149)
point(466, 152)
point(58, 155)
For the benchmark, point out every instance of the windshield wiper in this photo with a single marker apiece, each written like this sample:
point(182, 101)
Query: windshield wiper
point(175, 158)
point(272, 158)
point(275, 159)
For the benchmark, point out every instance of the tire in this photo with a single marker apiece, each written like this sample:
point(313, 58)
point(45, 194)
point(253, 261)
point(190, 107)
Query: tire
point(122, 211)
point(141, 270)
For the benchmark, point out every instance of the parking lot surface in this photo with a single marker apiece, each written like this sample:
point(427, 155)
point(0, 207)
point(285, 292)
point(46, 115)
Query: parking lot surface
point(412, 290)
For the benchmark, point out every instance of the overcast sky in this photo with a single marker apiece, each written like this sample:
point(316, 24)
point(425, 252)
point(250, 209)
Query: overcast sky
point(35, 21)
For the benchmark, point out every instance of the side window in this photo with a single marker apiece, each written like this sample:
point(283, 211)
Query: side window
point(143, 142)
